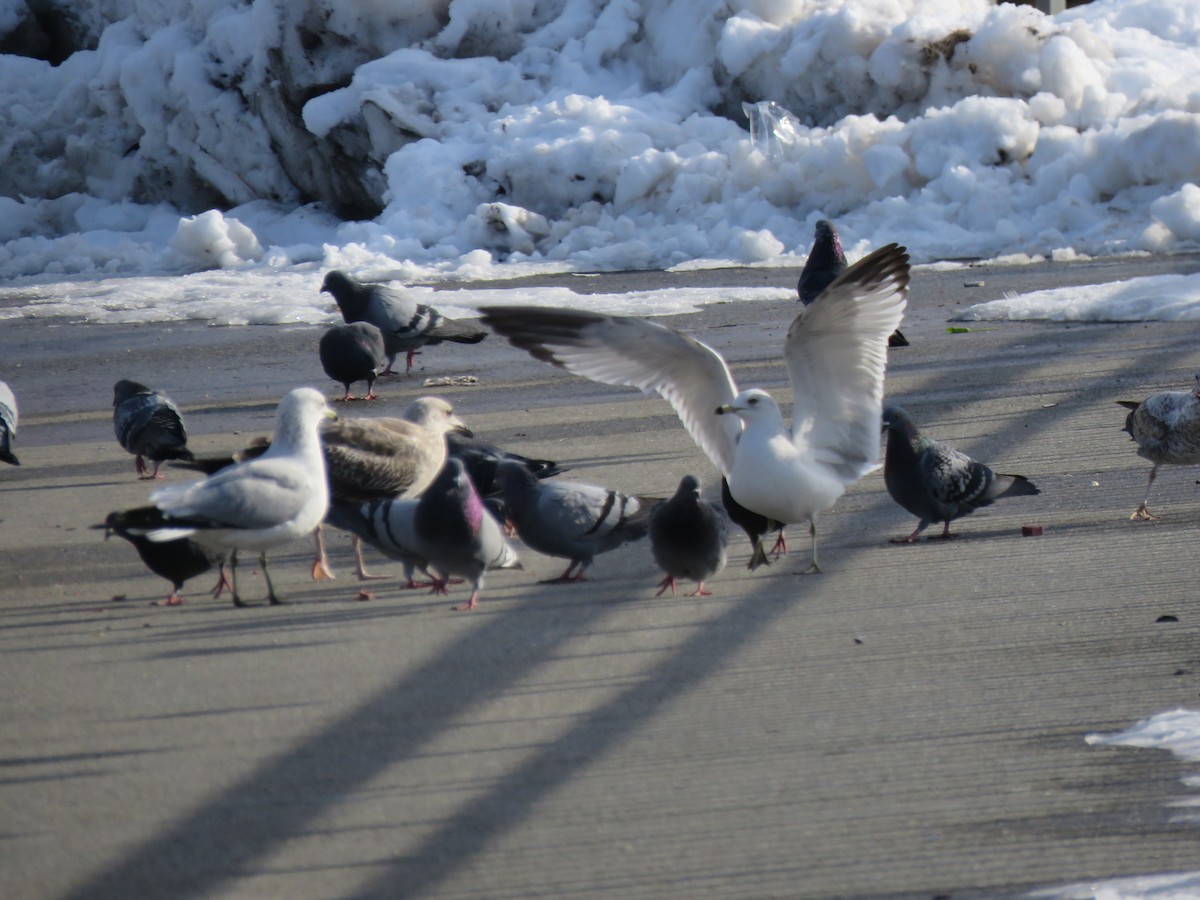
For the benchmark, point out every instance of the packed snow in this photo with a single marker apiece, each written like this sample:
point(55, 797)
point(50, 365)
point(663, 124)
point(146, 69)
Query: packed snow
point(1179, 732)
point(250, 146)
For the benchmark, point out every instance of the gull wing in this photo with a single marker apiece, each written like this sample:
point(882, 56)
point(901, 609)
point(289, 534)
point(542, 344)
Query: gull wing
point(621, 350)
point(836, 353)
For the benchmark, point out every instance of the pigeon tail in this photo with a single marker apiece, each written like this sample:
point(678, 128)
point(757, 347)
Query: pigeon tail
point(1012, 486)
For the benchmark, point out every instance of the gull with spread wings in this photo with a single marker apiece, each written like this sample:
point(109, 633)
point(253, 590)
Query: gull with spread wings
point(835, 352)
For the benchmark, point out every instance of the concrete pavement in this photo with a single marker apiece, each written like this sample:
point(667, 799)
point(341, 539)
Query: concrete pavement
point(910, 723)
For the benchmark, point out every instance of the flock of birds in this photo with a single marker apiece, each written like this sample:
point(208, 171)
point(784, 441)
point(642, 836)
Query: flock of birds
point(423, 490)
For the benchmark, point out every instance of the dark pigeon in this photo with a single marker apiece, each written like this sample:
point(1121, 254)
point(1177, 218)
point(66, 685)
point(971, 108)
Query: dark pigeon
point(570, 519)
point(351, 353)
point(826, 261)
point(456, 535)
point(406, 324)
point(148, 425)
point(935, 482)
point(8, 424)
point(756, 527)
point(1166, 427)
point(177, 561)
point(481, 460)
point(688, 537)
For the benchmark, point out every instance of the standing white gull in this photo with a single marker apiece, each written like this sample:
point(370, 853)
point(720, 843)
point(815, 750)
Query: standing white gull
point(836, 353)
point(260, 503)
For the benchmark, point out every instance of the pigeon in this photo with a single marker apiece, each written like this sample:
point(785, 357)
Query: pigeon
point(148, 425)
point(257, 504)
point(406, 324)
point(935, 482)
point(1166, 427)
point(8, 424)
point(351, 353)
point(456, 535)
point(481, 460)
point(826, 261)
point(569, 518)
point(688, 537)
point(177, 561)
point(755, 526)
point(836, 353)
point(387, 525)
point(376, 459)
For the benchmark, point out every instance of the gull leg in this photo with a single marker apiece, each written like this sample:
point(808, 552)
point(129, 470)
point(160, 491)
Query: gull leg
point(815, 568)
point(1143, 511)
point(361, 564)
point(271, 597)
point(320, 567)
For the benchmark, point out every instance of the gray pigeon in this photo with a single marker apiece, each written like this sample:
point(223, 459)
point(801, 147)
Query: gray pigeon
point(688, 537)
point(456, 535)
point(1166, 427)
point(826, 261)
point(935, 482)
point(406, 324)
point(8, 424)
point(569, 518)
point(351, 353)
point(148, 425)
point(387, 525)
point(177, 561)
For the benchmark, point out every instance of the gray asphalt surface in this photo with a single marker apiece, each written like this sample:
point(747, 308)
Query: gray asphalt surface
point(910, 723)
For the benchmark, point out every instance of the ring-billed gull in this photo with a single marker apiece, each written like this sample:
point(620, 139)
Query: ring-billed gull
point(148, 425)
point(935, 482)
point(1166, 427)
point(570, 519)
point(406, 324)
point(351, 353)
point(836, 353)
point(688, 537)
point(261, 503)
point(9, 419)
